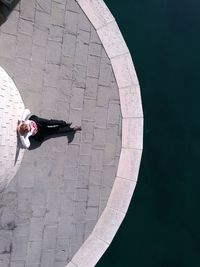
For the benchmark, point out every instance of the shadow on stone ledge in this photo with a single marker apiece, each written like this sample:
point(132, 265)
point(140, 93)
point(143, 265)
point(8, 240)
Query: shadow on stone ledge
point(6, 7)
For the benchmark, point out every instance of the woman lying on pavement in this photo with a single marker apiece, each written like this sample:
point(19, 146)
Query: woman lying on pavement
point(38, 128)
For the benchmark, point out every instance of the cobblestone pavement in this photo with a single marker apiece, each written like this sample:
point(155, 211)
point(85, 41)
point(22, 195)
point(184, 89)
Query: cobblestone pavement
point(60, 68)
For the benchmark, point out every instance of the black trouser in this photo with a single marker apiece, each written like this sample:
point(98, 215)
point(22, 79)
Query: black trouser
point(46, 128)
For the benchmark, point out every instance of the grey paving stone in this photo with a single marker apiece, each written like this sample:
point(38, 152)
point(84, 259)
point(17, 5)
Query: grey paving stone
point(36, 229)
point(113, 113)
point(95, 49)
point(9, 65)
point(17, 264)
point(77, 98)
point(61, 2)
point(81, 194)
point(40, 36)
point(95, 177)
point(73, 6)
point(22, 72)
point(55, 33)
point(93, 196)
point(82, 177)
point(80, 211)
point(109, 154)
point(51, 75)
point(69, 45)
point(104, 194)
point(93, 66)
point(70, 172)
point(85, 149)
point(94, 37)
point(102, 206)
point(103, 97)
point(34, 252)
point(37, 77)
point(53, 52)
point(62, 243)
point(97, 159)
point(19, 245)
point(27, 10)
point(51, 217)
point(61, 257)
point(75, 116)
point(66, 227)
point(79, 75)
point(60, 263)
point(105, 74)
point(83, 36)
point(47, 258)
point(87, 131)
point(84, 160)
point(4, 260)
point(7, 45)
point(91, 87)
point(42, 20)
point(5, 244)
point(83, 22)
point(92, 213)
point(44, 5)
point(50, 233)
point(25, 27)
point(67, 68)
point(89, 109)
point(114, 91)
point(67, 202)
point(38, 211)
point(10, 26)
point(101, 117)
point(58, 14)
point(71, 22)
point(111, 134)
point(69, 183)
point(22, 230)
point(69, 186)
point(99, 137)
point(108, 176)
point(81, 57)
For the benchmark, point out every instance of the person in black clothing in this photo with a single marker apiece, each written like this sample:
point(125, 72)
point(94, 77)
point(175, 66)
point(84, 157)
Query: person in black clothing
point(34, 128)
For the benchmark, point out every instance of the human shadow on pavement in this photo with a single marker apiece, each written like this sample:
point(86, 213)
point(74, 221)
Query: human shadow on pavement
point(36, 144)
point(18, 147)
point(6, 7)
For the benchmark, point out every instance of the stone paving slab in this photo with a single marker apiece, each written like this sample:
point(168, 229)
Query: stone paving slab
point(61, 69)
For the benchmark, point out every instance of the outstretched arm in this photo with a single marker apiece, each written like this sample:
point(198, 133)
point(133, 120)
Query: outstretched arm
point(25, 115)
point(25, 141)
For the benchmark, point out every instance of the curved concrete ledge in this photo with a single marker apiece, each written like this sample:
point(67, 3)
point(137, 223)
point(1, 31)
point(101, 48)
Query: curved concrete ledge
point(11, 108)
point(132, 135)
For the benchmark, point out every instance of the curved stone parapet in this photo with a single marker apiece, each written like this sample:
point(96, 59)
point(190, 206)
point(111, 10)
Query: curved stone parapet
point(69, 61)
point(132, 135)
point(11, 108)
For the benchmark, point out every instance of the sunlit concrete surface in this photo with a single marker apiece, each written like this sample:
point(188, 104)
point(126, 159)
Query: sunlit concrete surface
point(11, 108)
point(59, 65)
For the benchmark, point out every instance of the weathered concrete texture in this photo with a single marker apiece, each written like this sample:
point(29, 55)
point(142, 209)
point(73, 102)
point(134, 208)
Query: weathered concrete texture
point(11, 108)
point(132, 134)
point(62, 71)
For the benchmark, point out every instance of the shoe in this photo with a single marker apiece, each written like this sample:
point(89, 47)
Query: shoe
point(68, 123)
point(77, 128)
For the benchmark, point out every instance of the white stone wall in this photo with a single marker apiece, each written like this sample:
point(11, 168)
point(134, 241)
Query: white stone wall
point(11, 109)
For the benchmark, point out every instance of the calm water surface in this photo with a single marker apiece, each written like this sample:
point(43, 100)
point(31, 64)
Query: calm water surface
point(162, 227)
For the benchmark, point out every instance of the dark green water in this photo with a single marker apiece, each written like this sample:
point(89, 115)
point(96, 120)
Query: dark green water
point(162, 227)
